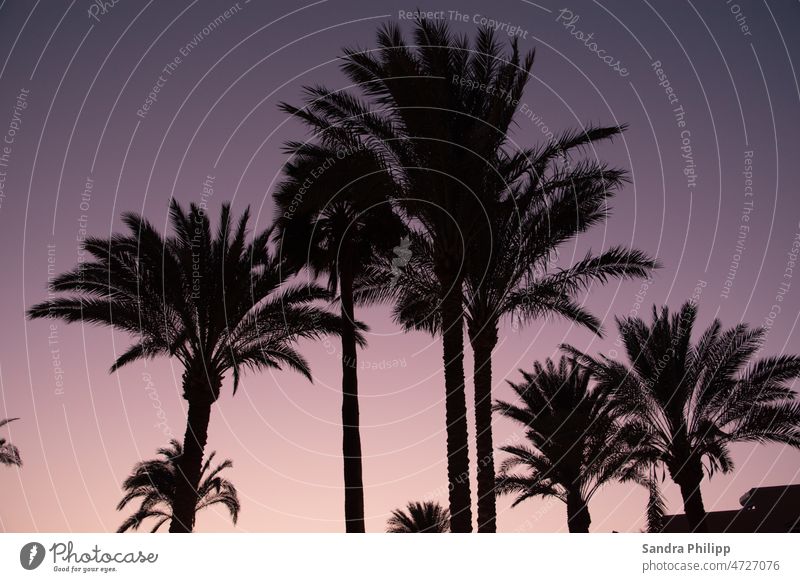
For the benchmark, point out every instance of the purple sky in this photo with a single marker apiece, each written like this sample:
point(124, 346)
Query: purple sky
point(80, 155)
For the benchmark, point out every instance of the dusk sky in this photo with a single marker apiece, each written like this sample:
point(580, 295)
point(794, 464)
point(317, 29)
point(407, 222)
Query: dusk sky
point(709, 91)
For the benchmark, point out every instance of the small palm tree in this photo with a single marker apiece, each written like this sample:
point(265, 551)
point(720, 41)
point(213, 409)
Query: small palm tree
point(9, 454)
point(154, 483)
point(425, 517)
point(213, 301)
point(335, 217)
point(695, 400)
point(576, 441)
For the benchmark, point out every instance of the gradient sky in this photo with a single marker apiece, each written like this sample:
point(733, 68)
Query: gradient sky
point(84, 79)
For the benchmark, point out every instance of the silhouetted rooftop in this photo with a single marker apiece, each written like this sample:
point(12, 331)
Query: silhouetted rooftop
point(764, 510)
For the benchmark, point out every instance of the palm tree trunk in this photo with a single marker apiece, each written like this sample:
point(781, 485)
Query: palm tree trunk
point(189, 466)
point(578, 518)
point(351, 432)
point(483, 341)
point(455, 406)
point(689, 480)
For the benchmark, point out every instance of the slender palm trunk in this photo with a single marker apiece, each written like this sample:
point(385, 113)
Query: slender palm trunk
point(689, 479)
point(483, 341)
point(456, 406)
point(351, 432)
point(189, 465)
point(578, 518)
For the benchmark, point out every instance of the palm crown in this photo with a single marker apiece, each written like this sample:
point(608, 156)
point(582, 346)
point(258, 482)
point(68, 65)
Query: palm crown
point(540, 207)
point(334, 206)
point(9, 454)
point(576, 441)
point(214, 301)
point(154, 481)
point(419, 517)
point(426, 116)
point(695, 400)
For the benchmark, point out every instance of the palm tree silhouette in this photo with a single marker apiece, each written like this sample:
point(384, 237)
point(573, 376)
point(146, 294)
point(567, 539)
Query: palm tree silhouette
point(9, 454)
point(540, 204)
point(213, 301)
point(154, 481)
point(576, 441)
point(334, 216)
point(695, 400)
point(425, 517)
point(437, 110)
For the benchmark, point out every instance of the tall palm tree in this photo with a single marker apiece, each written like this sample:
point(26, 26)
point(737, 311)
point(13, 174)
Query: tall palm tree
point(540, 204)
point(334, 216)
point(9, 454)
point(154, 482)
point(576, 443)
point(436, 110)
point(425, 517)
point(694, 400)
point(214, 301)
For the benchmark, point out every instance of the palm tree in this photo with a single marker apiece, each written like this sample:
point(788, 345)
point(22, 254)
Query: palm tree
point(9, 454)
point(213, 301)
point(425, 517)
point(576, 442)
point(695, 400)
point(154, 482)
point(539, 205)
point(437, 111)
point(334, 216)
